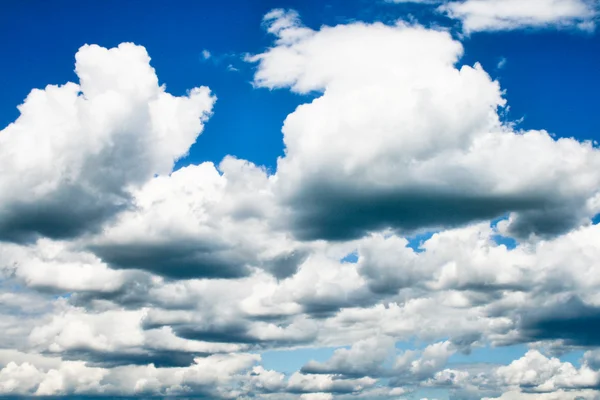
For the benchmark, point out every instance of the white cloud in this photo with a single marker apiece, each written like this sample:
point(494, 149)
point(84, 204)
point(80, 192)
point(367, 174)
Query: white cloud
point(209, 376)
point(169, 290)
point(317, 396)
point(364, 358)
point(202, 222)
point(541, 374)
point(302, 383)
point(52, 265)
point(400, 130)
point(75, 153)
point(498, 15)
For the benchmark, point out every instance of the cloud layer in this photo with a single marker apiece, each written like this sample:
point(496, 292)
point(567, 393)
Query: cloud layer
point(120, 277)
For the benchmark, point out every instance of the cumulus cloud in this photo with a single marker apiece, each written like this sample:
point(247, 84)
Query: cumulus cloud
point(499, 15)
point(364, 358)
point(403, 137)
point(170, 283)
point(541, 374)
point(54, 266)
point(209, 376)
point(201, 221)
point(76, 151)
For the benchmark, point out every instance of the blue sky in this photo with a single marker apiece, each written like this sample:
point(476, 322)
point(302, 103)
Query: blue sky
point(404, 247)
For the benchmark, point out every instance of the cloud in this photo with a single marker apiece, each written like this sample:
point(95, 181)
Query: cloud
point(501, 15)
point(115, 337)
point(501, 63)
point(402, 138)
point(572, 320)
point(188, 274)
point(309, 383)
point(76, 151)
point(52, 265)
point(364, 358)
point(208, 377)
point(201, 222)
point(538, 373)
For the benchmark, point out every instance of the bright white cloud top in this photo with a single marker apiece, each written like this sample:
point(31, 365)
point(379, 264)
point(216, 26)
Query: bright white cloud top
point(498, 15)
point(177, 280)
point(505, 15)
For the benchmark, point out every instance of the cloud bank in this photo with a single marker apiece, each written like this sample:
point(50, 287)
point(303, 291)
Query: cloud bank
point(121, 277)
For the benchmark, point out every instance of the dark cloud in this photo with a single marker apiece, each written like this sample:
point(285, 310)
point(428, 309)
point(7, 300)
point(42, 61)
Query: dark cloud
point(227, 333)
point(334, 212)
point(547, 221)
point(572, 321)
point(237, 332)
point(177, 260)
point(160, 358)
point(132, 295)
point(64, 215)
point(286, 265)
point(321, 307)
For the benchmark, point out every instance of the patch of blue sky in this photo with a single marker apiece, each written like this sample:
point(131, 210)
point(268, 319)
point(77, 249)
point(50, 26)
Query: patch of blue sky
point(509, 242)
point(351, 258)
point(416, 241)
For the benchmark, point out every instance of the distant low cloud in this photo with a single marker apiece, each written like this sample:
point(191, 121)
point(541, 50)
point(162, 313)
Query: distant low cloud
point(504, 15)
point(499, 15)
point(396, 148)
point(72, 158)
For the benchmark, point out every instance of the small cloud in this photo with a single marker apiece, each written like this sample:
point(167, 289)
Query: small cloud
point(587, 26)
point(206, 54)
point(502, 63)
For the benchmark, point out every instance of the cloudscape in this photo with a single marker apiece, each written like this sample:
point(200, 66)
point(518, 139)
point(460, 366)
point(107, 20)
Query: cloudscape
point(358, 199)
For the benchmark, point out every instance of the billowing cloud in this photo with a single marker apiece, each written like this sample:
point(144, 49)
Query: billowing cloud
point(72, 158)
point(364, 358)
point(505, 15)
point(202, 221)
point(208, 377)
point(541, 374)
point(134, 280)
point(404, 138)
point(499, 15)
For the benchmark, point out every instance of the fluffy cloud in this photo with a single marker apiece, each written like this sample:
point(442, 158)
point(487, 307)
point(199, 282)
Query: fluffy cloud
point(541, 374)
point(75, 153)
point(364, 358)
point(498, 15)
point(431, 360)
point(504, 15)
point(403, 138)
point(52, 265)
point(171, 281)
point(209, 376)
point(202, 221)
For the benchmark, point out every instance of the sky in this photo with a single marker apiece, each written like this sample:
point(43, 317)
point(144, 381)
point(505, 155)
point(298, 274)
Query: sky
point(315, 200)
